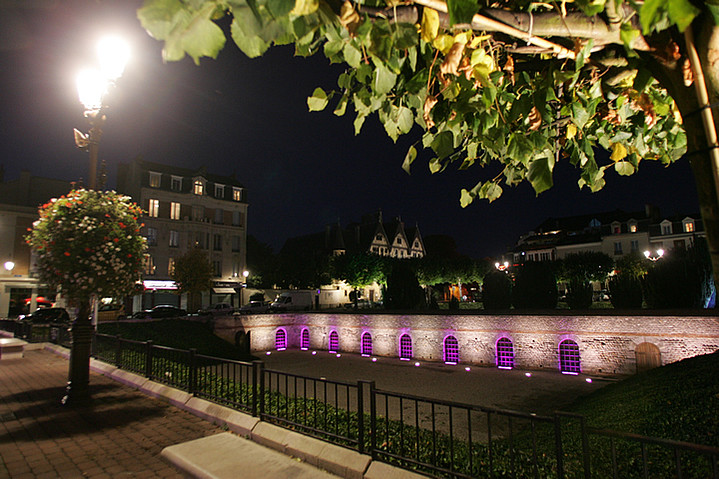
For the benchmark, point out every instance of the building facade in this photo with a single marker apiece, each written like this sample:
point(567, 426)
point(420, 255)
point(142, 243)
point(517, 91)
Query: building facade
point(188, 209)
point(19, 201)
point(614, 233)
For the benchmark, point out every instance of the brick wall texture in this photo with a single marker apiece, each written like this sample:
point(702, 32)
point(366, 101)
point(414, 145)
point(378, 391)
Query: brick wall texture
point(607, 343)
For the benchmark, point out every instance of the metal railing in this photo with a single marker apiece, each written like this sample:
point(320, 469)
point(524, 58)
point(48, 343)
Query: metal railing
point(436, 437)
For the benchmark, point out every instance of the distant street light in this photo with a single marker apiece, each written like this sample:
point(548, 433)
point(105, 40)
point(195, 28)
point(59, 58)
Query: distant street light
point(92, 87)
point(245, 274)
point(502, 266)
point(9, 266)
point(654, 257)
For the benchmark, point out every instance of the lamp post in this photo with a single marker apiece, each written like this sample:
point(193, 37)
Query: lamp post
point(92, 87)
point(245, 274)
point(654, 257)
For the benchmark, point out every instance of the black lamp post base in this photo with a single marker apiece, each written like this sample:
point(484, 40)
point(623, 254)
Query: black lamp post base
point(78, 384)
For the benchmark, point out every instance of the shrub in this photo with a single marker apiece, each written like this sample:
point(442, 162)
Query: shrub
point(535, 286)
point(579, 295)
point(497, 291)
point(682, 279)
point(403, 290)
point(625, 291)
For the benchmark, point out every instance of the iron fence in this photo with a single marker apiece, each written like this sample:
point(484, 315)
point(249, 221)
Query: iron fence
point(436, 437)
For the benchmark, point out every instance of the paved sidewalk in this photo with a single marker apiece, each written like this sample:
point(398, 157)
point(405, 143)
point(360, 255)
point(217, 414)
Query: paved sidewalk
point(120, 434)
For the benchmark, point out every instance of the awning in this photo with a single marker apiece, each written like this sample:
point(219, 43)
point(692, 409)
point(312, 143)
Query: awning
point(223, 290)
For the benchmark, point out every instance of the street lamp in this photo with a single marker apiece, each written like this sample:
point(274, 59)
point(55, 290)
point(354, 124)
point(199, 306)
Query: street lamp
point(502, 266)
point(92, 87)
point(9, 266)
point(653, 258)
point(245, 274)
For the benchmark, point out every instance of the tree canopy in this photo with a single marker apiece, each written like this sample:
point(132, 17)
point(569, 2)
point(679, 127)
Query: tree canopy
point(510, 87)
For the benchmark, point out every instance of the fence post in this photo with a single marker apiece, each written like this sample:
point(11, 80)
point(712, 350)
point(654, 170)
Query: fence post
point(558, 446)
point(192, 380)
point(360, 416)
point(258, 384)
point(372, 419)
point(148, 359)
point(118, 352)
point(585, 448)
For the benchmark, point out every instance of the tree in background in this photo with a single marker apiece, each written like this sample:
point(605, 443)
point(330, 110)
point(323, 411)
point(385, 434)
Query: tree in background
point(625, 287)
point(261, 263)
point(535, 286)
point(87, 243)
point(193, 275)
point(359, 270)
point(403, 291)
point(517, 87)
point(497, 291)
point(682, 278)
point(579, 270)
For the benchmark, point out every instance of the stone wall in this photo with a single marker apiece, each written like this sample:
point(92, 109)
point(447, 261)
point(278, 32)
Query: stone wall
point(607, 343)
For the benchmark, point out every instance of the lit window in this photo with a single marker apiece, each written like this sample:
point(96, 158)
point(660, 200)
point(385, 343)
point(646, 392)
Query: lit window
point(505, 353)
point(688, 226)
point(174, 239)
point(174, 210)
point(305, 339)
point(149, 265)
point(366, 344)
point(405, 347)
point(219, 191)
point(153, 208)
point(171, 266)
point(155, 179)
point(281, 340)
point(451, 350)
point(334, 342)
point(237, 194)
point(151, 236)
point(176, 183)
point(217, 266)
point(198, 188)
point(632, 227)
point(569, 357)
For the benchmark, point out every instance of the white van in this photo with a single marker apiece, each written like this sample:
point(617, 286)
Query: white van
point(293, 301)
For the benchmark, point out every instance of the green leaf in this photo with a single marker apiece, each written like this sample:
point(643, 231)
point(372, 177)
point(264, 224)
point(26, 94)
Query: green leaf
point(245, 31)
point(465, 198)
point(540, 175)
point(435, 165)
point(318, 101)
point(624, 168)
point(384, 80)
point(202, 37)
point(409, 159)
point(682, 13)
point(490, 191)
point(305, 7)
point(461, 11)
point(443, 144)
point(280, 8)
point(352, 55)
point(158, 17)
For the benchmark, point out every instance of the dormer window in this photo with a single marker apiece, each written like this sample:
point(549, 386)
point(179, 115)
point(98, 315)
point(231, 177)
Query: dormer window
point(237, 194)
point(198, 187)
point(155, 179)
point(666, 227)
point(616, 228)
point(688, 225)
point(632, 225)
point(219, 191)
point(176, 183)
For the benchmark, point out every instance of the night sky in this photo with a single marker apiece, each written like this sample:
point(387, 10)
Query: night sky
point(302, 170)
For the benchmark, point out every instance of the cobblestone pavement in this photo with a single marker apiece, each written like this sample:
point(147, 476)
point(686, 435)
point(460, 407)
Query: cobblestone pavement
point(119, 434)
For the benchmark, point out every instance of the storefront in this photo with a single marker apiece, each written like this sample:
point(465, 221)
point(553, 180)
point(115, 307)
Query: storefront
point(159, 292)
point(226, 292)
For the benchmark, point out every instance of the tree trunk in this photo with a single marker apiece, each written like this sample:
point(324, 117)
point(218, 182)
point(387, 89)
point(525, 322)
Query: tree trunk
point(698, 148)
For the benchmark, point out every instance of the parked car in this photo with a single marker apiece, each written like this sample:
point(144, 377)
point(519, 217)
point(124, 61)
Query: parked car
point(47, 316)
point(160, 311)
point(292, 301)
point(110, 312)
point(255, 307)
point(219, 309)
point(361, 304)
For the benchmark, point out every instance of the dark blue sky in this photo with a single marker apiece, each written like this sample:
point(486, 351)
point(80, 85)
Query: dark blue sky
point(249, 117)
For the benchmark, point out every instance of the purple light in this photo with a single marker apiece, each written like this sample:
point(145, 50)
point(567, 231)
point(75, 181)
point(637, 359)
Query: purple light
point(374, 360)
point(589, 380)
point(339, 355)
point(571, 373)
point(268, 353)
point(529, 375)
point(404, 359)
point(451, 363)
point(304, 349)
point(467, 369)
point(504, 367)
point(314, 352)
point(416, 364)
